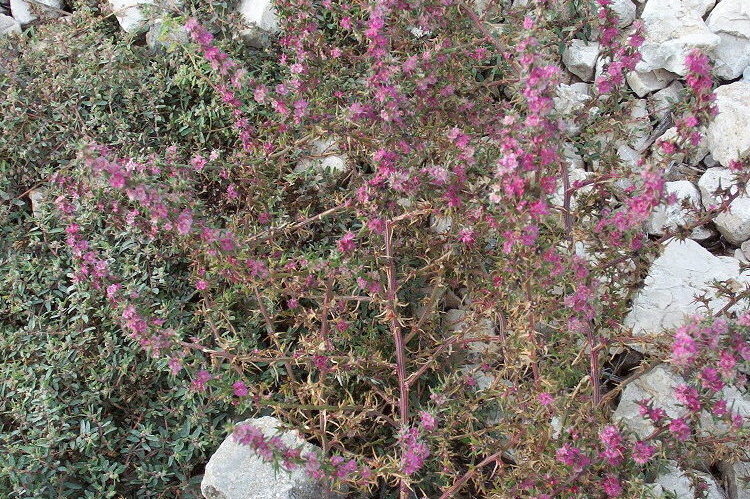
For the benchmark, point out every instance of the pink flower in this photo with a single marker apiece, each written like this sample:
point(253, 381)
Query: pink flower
point(201, 378)
point(711, 379)
point(612, 486)
point(414, 451)
point(198, 162)
point(184, 222)
point(684, 348)
point(688, 397)
point(611, 440)
point(545, 399)
point(467, 236)
point(175, 365)
point(201, 285)
point(427, 421)
point(680, 429)
point(239, 389)
point(573, 457)
point(642, 452)
point(347, 244)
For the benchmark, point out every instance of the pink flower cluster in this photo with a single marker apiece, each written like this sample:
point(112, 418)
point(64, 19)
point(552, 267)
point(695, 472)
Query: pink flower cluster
point(573, 457)
point(273, 448)
point(414, 451)
point(227, 67)
point(700, 84)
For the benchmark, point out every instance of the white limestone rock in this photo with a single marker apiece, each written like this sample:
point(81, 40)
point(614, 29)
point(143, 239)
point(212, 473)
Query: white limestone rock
point(165, 36)
point(580, 58)
point(236, 471)
point(737, 401)
point(730, 19)
point(129, 14)
point(576, 172)
point(625, 10)
point(457, 320)
point(672, 216)
point(440, 224)
point(728, 135)
point(568, 101)
point(673, 29)
point(734, 225)
point(731, 56)
point(325, 156)
point(483, 379)
point(666, 301)
point(630, 157)
point(661, 103)
point(695, 8)
point(738, 479)
point(677, 482)
point(25, 12)
point(571, 98)
point(697, 153)
point(262, 20)
point(8, 25)
point(645, 82)
point(37, 198)
point(639, 125)
point(658, 385)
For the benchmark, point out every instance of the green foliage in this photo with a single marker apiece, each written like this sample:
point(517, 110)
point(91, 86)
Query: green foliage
point(83, 411)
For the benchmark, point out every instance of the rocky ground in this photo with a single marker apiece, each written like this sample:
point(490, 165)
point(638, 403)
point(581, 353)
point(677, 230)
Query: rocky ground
point(714, 251)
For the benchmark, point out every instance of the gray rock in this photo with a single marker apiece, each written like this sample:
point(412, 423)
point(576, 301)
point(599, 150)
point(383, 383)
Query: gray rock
point(8, 25)
point(730, 19)
point(728, 135)
point(734, 225)
point(580, 58)
point(37, 197)
point(657, 384)
point(165, 37)
point(678, 483)
point(666, 301)
point(262, 20)
point(738, 479)
point(672, 216)
point(673, 29)
point(645, 82)
point(129, 14)
point(459, 321)
point(625, 10)
point(25, 11)
point(662, 102)
point(325, 156)
point(235, 471)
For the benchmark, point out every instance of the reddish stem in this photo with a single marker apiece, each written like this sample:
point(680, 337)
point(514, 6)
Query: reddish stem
point(398, 339)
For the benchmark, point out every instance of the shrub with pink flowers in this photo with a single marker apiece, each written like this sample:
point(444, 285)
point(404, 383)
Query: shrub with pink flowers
point(443, 315)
